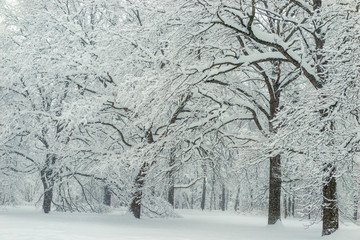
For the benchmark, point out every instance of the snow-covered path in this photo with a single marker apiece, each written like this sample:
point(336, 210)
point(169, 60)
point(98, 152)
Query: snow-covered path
point(30, 224)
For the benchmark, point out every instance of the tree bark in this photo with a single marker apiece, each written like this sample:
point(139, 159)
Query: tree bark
point(171, 195)
point(171, 191)
point(289, 207)
point(107, 196)
point(274, 190)
point(47, 179)
point(285, 206)
point(223, 198)
point(203, 197)
point(329, 205)
point(356, 203)
point(212, 194)
point(48, 195)
point(330, 208)
point(135, 206)
point(192, 201)
point(237, 200)
point(275, 162)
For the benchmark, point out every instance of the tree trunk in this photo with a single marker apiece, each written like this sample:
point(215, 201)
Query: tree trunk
point(330, 208)
point(289, 207)
point(275, 162)
point(237, 200)
point(47, 179)
point(107, 196)
point(48, 195)
point(223, 198)
point(203, 197)
point(171, 191)
point(192, 201)
point(251, 200)
point(285, 206)
point(356, 203)
point(212, 194)
point(135, 206)
point(274, 190)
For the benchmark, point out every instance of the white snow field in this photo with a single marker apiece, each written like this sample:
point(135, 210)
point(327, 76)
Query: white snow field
point(31, 224)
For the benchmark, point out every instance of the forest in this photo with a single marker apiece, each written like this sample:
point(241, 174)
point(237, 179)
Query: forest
point(249, 106)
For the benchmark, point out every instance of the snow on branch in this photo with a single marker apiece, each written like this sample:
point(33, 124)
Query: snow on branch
point(188, 185)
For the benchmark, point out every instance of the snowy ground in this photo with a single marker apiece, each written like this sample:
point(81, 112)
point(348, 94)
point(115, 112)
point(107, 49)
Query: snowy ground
point(30, 224)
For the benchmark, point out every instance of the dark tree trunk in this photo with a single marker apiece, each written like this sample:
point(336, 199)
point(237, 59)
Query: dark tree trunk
point(223, 198)
point(203, 197)
point(192, 201)
point(274, 190)
point(171, 191)
point(293, 206)
point(275, 167)
point(285, 206)
point(107, 196)
point(212, 194)
point(275, 162)
point(48, 196)
point(330, 208)
point(356, 203)
point(47, 179)
point(135, 206)
point(289, 204)
point(237, 200)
